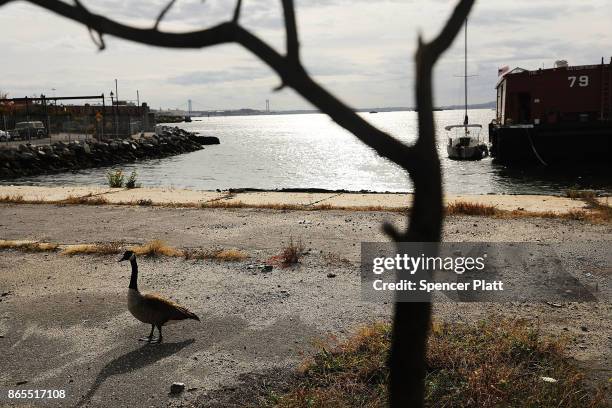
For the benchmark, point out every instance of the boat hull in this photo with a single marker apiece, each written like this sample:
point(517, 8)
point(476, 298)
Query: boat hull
point(467, 152)
point(564, 144)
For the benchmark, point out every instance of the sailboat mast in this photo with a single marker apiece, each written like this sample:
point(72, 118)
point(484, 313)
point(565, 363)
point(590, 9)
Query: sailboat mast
point(465, 78)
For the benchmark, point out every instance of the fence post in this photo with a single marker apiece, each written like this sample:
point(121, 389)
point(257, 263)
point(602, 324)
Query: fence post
point(27, 103)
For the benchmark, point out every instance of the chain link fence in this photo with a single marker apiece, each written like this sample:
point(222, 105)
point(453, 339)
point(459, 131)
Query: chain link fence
point(43, 120)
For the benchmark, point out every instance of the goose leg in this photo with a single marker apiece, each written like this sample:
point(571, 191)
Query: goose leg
point(159, 339)
point(148, 339)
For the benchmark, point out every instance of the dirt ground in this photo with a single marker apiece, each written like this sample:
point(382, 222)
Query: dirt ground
point(64, 322)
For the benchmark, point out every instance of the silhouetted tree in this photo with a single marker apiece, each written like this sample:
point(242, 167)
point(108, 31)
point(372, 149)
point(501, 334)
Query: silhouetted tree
point(411, 320)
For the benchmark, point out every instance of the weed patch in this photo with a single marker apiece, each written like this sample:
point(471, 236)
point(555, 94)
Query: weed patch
point(579, 194)
point(466, 208)
point(495, 363)
point(13, 199)
point(145, 202)
point(290, 255)
point(88, 199)
point(115, 178)
point(157, 248)
point(131, 181)
point(109, 248)
point(28, 246)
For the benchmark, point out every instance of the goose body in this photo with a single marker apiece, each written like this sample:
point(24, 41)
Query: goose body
point(152, 308)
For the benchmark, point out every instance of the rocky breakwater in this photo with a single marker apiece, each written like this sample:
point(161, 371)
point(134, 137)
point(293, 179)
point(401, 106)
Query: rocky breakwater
point(30, 160)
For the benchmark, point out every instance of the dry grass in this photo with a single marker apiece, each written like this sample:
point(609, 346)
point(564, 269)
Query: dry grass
point(595, 213)
point(224, 255)
point(157, 248)
point(28, 246)
point(144, 202)
point(297, 207)
point(290, 255)
point(223, 204)
point(595, 216)
point(93, 249)
point(466, 208)
point(152, 248)
point(18, 199)
point(371, 208)
point(580, 194)
point(88, 199)
point(13, 199)
point(495, 363)
point(99, 200)
point(598, 214)
point(602, 212)
point(147, 202)
point(240, 204)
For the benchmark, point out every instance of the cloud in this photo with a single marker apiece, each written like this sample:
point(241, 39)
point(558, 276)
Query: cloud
point(362, 50)
point(218, 76)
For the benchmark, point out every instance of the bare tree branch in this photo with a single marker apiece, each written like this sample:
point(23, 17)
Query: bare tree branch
point(293, 45)
point(426, 57)
point(99, 42)
point(162, 13)
point(237, 12)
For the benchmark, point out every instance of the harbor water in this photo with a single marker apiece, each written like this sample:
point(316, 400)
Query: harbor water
point(311, 151)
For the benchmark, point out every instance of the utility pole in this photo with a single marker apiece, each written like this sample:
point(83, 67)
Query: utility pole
point(114, 104)
point(27, 103)
point(118, 114)
point(142, 118)
point(44, 103)
point(267, 105)
point(103, 118)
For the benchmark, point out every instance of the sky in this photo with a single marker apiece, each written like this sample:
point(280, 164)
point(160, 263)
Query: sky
point(360, 50)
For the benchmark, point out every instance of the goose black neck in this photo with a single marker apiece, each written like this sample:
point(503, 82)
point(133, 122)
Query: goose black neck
point(134, 278)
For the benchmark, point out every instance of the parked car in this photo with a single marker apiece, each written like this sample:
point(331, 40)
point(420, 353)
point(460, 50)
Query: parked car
point(33, 129)
point(4, 136)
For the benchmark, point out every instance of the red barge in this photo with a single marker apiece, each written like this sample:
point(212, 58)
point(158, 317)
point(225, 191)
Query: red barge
point(560, 115)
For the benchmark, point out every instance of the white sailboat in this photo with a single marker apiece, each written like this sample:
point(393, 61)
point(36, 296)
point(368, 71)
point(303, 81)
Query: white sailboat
point(464, 139)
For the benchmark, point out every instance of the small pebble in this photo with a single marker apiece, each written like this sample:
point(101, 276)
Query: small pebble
point(177, 388)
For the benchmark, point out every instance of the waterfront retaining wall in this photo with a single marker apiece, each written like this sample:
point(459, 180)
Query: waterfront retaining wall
point(29, 160)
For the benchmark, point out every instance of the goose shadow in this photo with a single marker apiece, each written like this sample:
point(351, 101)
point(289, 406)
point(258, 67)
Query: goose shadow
point(134, 360)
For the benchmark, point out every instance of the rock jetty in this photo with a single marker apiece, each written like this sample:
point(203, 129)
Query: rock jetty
point(29, 160)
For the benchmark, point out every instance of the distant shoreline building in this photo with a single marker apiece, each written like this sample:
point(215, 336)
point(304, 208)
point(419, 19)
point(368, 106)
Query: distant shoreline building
point(60, 115)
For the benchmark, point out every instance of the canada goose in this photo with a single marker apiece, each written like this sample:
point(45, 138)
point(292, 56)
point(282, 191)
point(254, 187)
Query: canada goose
point(151, 308)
